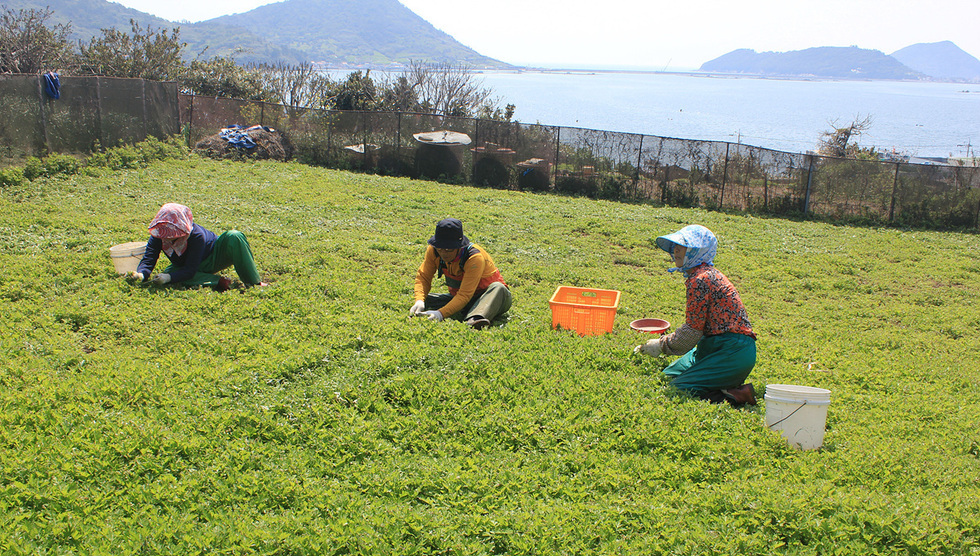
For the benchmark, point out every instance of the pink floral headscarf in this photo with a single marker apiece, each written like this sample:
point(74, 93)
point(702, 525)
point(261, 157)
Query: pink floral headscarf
point(173, 225)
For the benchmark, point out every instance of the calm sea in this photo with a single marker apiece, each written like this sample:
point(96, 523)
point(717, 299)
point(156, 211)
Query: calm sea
point(917, 119)
point(912, 118)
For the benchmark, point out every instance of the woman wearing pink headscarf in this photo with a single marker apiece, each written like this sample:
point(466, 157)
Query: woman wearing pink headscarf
point(196, 254)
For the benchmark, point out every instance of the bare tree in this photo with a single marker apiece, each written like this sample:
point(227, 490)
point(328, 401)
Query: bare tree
point(447, 89)
point(294, 86)
point(836, 143)
point(28, 45)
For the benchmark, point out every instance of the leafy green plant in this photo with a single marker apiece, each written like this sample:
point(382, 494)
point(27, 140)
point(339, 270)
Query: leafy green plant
point(33, 168)
point(49, 166)
point(60, 164)
point(11, 177)
point(140, 154)
point(314, 416)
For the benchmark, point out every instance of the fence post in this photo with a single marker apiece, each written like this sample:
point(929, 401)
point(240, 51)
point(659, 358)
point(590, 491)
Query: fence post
point(476, 153)
point(724, 178)
point(190, 121)
point(44, 117)
point(364, 138)
point(891, 211)
point(329, 134)
point(636, 175)
point(976, 219)
point(809, 183)
point(554, 173)
point(143, 98)
point(98, 110)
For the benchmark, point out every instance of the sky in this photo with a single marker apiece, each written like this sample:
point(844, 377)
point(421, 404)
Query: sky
point(658, 34)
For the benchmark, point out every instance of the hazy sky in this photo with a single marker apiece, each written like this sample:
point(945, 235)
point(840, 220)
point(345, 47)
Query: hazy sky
point(657, 33)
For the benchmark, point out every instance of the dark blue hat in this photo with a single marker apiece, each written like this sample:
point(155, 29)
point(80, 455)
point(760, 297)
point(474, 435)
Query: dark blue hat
point(449, 235)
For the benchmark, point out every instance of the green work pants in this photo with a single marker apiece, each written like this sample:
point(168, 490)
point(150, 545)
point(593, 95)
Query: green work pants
point(717, 362)
point(494, 301)
point(230, 249)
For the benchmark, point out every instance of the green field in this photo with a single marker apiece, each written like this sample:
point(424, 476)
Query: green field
point(315, 417)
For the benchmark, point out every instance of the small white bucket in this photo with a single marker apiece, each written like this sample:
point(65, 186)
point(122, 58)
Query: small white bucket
point(799, 413)
point(126, 256)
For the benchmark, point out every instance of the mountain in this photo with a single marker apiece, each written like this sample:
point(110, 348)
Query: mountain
point(89, 17)
point(940, 60)
point(825, 61)
point(354, 32)
point(351, 32)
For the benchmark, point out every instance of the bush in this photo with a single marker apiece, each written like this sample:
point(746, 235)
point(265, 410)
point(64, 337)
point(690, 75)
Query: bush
point(33, 168)
point(60, 164)
point(53, 165)
point(174, 148)
point(573, 185)
point(140, 154)
point(11, 177)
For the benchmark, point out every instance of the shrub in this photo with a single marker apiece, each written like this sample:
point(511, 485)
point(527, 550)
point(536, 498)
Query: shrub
point(33, 168)
point(170, 149)
point(52, 165)
point(11, 177)
point(126, 157)
point(573, 185)
point(140, 154)
point(60, 164)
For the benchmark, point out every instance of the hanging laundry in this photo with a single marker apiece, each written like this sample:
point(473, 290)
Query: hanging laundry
point(52, 85)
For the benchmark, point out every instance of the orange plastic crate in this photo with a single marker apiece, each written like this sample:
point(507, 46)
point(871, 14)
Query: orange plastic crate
point(588, 311)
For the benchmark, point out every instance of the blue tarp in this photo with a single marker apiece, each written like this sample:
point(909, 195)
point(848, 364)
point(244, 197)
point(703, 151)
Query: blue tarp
point(237, 137)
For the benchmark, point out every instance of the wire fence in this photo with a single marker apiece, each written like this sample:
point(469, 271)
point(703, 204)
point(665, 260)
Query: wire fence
point(715, 175)
point(612, 165)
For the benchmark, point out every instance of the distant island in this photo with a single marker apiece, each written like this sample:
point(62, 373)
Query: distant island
point(942, 61)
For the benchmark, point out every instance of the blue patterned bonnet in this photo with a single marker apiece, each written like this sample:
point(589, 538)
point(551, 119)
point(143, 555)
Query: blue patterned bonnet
point(702, 246)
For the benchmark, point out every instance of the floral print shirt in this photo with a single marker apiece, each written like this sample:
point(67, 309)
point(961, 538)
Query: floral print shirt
point(713, 304)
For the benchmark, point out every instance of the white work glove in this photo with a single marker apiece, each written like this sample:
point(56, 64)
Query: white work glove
point(651, 348)
point(136, 275)
point(433, 315)
point(417, 308)
point(161, 279)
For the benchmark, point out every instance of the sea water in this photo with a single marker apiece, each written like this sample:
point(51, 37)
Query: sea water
point(909, 117)
point(913, 118)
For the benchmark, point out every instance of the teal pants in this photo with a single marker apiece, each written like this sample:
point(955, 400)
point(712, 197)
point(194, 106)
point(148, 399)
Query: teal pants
point(496, 300)
point(230, 249)
point(717, 362)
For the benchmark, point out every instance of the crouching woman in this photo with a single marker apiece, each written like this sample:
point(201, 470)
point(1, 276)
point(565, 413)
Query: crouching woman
point(716, 342)
point(196, 254)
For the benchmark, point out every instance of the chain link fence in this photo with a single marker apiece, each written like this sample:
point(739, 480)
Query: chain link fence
point(612, 165)
point(504, 155)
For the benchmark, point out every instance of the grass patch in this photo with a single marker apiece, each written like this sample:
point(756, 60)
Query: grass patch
point(315, 417)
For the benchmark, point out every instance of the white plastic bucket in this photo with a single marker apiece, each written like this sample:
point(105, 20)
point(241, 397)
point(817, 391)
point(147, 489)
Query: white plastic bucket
point(126, 256)
point(799, 413)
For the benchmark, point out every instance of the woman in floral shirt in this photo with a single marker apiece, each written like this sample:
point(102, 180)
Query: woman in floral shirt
point(716, 340)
